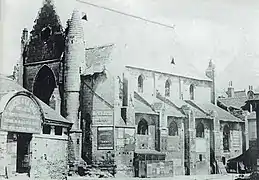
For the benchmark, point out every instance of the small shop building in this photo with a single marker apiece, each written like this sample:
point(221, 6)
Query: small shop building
point(33, 137)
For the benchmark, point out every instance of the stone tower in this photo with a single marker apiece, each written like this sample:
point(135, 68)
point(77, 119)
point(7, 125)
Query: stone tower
point(74, 56)
point(210, 73)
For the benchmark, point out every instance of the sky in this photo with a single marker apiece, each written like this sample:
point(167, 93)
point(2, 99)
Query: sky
point(222, 30)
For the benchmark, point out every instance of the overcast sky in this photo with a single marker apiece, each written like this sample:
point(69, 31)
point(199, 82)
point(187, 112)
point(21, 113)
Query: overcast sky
point(221, 30)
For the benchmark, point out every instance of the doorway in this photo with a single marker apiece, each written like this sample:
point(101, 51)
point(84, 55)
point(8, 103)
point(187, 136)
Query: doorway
point(23, 153)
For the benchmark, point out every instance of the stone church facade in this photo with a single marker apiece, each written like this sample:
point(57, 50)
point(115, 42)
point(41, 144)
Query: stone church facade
point(138, 119)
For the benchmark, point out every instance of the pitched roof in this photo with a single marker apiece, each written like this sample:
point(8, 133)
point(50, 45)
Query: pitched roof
point(209, 108)
point(142, 106)
point(10, 86)
point(169, 109)
point(236, 102)
point(178, 103)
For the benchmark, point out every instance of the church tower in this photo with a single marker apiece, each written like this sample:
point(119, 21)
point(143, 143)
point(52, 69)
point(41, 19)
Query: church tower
point(74, 56)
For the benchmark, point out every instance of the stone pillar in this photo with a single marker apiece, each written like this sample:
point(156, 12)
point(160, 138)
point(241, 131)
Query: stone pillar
point(52, 130)
point(190, 141)
point(246, 131)
point(217, 145)
point(182, 132)
point(3, 153)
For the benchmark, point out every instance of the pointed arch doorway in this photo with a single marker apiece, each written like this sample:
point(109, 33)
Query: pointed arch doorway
point(44, 84)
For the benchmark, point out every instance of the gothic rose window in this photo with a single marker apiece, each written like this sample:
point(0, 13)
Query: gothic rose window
point(226, 137)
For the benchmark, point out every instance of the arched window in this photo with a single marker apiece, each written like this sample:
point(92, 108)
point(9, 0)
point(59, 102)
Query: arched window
point(140, 84)
point(44, 84)
point(226, 137)
point(167, 88)
point(200, 130)
point(143, 127)
point(192, 92)
point(173, 129)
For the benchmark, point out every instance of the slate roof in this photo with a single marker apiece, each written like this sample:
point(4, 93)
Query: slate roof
point(10, 86)
point(221, 114)
point(178, 103)
point(142, 106)
point(169, 110)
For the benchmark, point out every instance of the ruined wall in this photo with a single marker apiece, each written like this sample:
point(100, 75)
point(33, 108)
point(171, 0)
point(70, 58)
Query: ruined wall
point(3, 140)
point(203, 149)
point(150, 141)
point(175, 146)
point(49, 156)
point(97, 101)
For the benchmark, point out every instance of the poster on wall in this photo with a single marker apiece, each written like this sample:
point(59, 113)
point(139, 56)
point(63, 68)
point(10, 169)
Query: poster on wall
point(105, 138)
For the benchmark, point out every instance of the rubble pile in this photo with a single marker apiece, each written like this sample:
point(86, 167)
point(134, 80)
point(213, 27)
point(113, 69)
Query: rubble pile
point(97, 173)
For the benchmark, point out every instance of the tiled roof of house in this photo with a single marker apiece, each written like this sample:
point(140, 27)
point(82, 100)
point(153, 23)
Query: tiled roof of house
point(209, 108)
point(10, 86)
point(236, 102)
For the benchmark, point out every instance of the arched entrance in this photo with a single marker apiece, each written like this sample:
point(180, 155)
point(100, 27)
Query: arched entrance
point(44, 84)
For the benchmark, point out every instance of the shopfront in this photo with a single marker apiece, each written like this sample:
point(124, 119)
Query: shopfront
point(31, 142)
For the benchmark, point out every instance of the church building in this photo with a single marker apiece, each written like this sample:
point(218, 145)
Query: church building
point(150, 122)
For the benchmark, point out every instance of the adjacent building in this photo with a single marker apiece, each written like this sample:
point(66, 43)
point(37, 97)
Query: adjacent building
point(233, 102)
point(150, 122)
point(33, 136)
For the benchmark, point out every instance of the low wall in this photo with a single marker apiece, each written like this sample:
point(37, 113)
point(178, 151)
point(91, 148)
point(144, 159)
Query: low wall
point(49, 156)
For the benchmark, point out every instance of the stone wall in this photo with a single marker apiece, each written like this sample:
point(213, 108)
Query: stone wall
point(49, 156)
point(175, 146)
point(179, 85)
point(235, 147)
point(97, 109)
point(3, 140)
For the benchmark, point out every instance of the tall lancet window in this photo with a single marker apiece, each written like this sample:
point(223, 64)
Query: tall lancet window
point(140, 84)
point(167, 88)
point(173, 129)
point(192, 92)
point(200, 130)
point(142, 127)
point(226, 137)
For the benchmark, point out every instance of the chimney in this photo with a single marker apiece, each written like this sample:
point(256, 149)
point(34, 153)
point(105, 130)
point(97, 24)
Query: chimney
point(250, 88)
point(230, 91)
